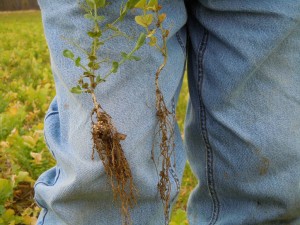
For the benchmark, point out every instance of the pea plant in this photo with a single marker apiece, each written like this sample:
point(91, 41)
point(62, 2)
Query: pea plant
point(105, 136)
point(153, 24)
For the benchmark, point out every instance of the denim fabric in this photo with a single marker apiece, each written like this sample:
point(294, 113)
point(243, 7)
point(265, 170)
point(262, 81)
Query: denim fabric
point(242, 134)
point(77, 190)
point(243, 121)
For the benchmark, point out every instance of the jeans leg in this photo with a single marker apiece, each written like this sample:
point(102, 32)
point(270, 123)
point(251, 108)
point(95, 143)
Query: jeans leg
point(77, 191)
point(243, 121)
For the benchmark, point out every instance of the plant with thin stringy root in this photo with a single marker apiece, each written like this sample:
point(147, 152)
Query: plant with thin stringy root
point(152, 20)
point(105, 136)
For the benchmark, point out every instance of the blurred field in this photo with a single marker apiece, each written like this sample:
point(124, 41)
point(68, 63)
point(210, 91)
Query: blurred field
point(26, 91)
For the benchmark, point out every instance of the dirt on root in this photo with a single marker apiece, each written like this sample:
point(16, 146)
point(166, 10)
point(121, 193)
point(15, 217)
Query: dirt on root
point(107, 143)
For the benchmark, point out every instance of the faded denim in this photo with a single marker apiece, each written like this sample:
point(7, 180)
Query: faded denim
point(242, 134)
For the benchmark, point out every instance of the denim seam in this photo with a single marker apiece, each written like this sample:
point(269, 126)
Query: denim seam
point(46, 184)
point(51, 184)
point(47, 143)
point(180, 43)
point(50, 114)
point(45, 138)
point(209, 152)
point(40, 205)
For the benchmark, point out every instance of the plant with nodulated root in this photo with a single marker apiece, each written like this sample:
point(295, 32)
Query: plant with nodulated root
point(105, 136)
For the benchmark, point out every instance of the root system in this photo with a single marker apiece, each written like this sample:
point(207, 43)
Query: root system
point(166, 121)
point(106, 142)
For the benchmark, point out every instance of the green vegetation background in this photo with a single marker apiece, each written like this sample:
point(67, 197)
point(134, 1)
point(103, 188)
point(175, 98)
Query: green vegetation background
point(26, 90)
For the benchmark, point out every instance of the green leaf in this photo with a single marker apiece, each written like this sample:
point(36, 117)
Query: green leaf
point(100, 18)
point(90, 3)
point(100, 3)
point(87, 74)
point(6, 190)
point(98, 43)
point(94, 34)
point(122, 14)
point(92, 57)
point(89, 16)
point(99, 79)
point(68, 54)
point(141, 4)
point(136, 58)
point(141, 41)
point(76, 90)
point(144, 20)
point(97, 3)
point(94, 65)
point(9, 216)
point(124, 55)
point(131, 3)
point(23, 176)
point(2, 209)
point(153, 4)
point(115, 67)
point(85, 85)
point(77, 61)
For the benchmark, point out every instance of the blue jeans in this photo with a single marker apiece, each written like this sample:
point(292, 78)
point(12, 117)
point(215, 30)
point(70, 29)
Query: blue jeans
point(242, 132)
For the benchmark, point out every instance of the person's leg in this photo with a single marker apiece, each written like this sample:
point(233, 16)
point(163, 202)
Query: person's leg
point(243, 123)
point(77, 190)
